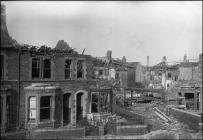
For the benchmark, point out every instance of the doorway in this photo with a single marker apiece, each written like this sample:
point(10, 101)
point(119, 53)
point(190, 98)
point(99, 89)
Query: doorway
point(79, 107)
point(66, 108)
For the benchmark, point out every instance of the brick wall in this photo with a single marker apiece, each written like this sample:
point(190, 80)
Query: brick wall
point(191, 119)
point(58, 71)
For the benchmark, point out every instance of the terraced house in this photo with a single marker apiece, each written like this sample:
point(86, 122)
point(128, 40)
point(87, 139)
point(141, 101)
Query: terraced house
point(43, 87)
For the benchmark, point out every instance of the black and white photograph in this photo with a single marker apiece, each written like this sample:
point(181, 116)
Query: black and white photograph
point(101, 70)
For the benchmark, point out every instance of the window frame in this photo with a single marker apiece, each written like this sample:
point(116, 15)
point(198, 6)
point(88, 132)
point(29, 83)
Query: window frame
point(97, 103)
point(70, 68)
point(82, 69)
point(45, 69)
point(41, 68)
point(47, 107)
point(29, 108)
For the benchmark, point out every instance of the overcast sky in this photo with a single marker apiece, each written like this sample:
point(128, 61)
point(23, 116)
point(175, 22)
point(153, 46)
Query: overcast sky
point(131, 29)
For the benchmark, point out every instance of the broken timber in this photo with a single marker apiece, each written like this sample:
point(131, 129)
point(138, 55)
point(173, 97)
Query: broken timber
point(161, 115)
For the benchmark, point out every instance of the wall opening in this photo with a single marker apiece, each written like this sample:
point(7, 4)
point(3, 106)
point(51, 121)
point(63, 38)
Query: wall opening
point(32, 108)
point(45, 108)
point(66, 108)
point(8, 108)
point(68, 68)
point(2, 67)
point(80, 71)
point(189, 99)
point(95, 100)
point(35, 68)
point(79, 108)
point(47, 68)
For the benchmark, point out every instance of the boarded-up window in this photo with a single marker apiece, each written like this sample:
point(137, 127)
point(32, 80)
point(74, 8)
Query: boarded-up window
point(45, 108)
point(95, 102)
point(35, 68)
point(32, 108)
point(47, 68)
point(2, 67)
point(80, 71)
point(68, 69)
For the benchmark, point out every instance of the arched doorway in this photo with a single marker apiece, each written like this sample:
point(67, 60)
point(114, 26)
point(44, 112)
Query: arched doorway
point(66, 108)
point(79, 105)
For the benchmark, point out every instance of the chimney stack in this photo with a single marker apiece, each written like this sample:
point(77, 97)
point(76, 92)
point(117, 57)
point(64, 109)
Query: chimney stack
point(147, 60)
point(124, 59)
point(164, 59)
point(108, 55)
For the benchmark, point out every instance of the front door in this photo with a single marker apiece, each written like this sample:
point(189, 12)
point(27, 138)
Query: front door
point(66, 108)
point(79, 107)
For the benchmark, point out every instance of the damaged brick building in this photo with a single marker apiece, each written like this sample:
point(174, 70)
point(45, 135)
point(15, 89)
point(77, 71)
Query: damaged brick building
point(47, 87)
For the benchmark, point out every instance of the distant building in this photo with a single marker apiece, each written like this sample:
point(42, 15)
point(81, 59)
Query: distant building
point(189, 71)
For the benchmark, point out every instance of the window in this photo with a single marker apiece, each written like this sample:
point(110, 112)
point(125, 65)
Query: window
point(47, 68)
point(80, 71)
point(41, 68)
point(169, 75)
point(2, 67)
point(68, 68)
point(176, 78)
point(95, 100)
point(35, 68)
point(32, 108)
point(117, 76)
point(100, 72)
point(45, 108)
point(104, 102)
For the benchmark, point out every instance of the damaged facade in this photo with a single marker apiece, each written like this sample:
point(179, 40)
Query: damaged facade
point(43, 87)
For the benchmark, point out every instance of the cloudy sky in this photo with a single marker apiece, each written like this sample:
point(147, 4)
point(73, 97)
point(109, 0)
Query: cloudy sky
point(131, 29)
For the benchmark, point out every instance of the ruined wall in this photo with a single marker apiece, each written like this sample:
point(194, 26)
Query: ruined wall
point(131, 77)
point(138, 74)
point(189, 73)
point(58, 79)
point(191, 119)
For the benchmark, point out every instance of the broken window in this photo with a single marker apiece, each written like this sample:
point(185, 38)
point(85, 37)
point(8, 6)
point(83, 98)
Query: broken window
point(35, 68)
point(176, 78)
point(45, 108)
point(2, 67)
point(117, 76)
point(47, 68)
point(104, 102)
point(68, 69)
point(41, 69)
point(179, 93)
point(32, 108)
point(100, 72)
point(169, 75)
point(95, 101)
point(80, 72)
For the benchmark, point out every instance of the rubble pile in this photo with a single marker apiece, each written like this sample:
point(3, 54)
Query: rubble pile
point(159, 124)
